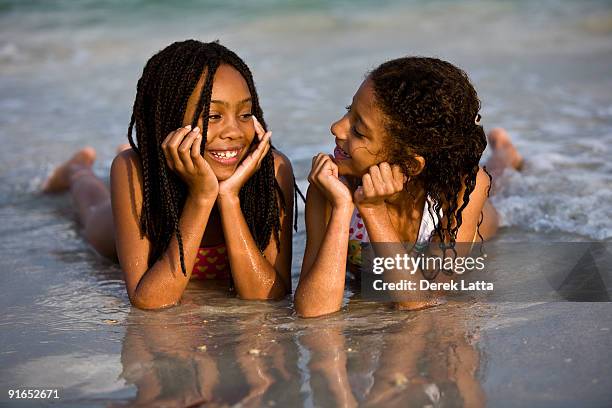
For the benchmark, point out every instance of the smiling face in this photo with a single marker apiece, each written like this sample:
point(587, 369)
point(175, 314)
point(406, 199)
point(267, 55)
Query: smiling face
point(230, 122)
point(360, 134)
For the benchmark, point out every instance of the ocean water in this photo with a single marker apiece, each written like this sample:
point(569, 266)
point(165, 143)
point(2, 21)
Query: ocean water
point(68, 75)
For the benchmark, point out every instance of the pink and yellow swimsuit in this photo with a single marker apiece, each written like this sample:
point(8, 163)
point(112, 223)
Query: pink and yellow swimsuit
point(212, 263)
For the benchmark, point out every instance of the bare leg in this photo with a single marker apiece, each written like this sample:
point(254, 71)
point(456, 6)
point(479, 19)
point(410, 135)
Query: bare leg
point(505, 155)
point(91, 197)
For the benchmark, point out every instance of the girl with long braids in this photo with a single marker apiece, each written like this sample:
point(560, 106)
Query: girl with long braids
point(200, 192)
point(405, 170)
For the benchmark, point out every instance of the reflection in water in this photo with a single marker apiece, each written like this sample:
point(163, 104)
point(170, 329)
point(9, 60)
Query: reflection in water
point(428, 359)
point(228, 351)
point(263, 357)
point(160, 358)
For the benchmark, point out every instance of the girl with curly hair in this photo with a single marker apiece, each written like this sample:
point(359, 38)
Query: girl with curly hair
point(200, 193)
point(405, 170)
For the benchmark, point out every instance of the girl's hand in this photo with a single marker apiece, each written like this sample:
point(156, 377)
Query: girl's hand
point(231, 187)
point(380, 183)
point(324, 176)
point(182, 151)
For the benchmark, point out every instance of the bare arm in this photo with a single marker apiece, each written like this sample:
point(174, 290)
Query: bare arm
point(257, 275)
point(382, 182)
point(163, 283)
point(329, 209)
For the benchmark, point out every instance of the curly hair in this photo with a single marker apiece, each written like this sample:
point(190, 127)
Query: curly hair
point(430, 109)
point(167, 81)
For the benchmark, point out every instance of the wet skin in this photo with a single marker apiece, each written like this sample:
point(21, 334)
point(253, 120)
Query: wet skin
point(390, 204)
point(212, 212)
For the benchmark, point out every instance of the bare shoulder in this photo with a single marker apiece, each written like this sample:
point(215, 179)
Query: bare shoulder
point(127, 168)
point(125, 161)
point(483, 184)
point(282, 169)
point(126, 177)
point(282, 164)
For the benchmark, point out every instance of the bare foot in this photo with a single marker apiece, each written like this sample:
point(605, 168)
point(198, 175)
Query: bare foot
point(59, 180)
point(502, 147)
point(123, 147)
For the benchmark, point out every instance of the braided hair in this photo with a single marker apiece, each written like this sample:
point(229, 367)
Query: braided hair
point(167, 81)
point(431, 111)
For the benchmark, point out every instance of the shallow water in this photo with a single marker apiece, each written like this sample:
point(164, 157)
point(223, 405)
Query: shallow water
point(67, 78)
point(87, 342)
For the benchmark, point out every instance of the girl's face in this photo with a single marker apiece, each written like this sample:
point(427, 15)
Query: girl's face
point(230, 123)
point(360, 134)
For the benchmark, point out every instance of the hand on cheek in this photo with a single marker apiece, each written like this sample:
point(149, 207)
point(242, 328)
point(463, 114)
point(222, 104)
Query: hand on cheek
point(380, 183)
point(231, 187)
point(182, 153)
point(324, 176)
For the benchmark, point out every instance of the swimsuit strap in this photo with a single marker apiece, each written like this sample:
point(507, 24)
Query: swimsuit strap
point(428, 223)
point(358, 232)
